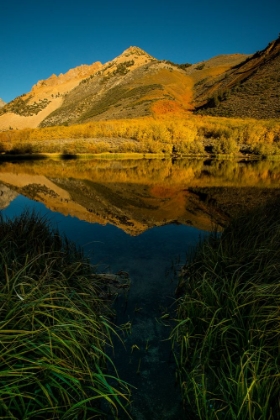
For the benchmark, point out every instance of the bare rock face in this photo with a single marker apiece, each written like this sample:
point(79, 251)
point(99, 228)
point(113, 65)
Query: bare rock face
point(6, 196)
point(2, 103)
point(73, 75)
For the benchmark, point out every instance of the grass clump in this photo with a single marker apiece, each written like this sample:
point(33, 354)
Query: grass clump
point(54, 328)
point(227, 336)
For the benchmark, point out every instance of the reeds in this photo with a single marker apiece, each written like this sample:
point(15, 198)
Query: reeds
point(227, 334)
point(54, 328)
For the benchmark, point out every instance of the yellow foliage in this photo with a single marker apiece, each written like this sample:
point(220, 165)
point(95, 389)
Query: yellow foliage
point(150, 134)
point(162, 176)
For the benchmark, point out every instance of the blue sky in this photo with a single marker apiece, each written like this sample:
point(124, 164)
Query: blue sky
point(42, 37)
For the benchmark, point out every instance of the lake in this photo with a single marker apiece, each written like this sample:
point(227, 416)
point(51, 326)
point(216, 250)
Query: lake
point(142, 217)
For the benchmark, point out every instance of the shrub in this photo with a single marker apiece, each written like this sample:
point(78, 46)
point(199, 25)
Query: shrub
point(225, 146)
point(200, 66)
point(194, 148)
point(20, 148)
point(2, 147)
point(266, 150)
point(169, 129)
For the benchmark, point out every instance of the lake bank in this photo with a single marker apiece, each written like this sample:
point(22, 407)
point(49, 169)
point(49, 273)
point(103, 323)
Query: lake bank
point(7, 156)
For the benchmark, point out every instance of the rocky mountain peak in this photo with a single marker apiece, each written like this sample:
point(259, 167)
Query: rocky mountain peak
point(130, 59)
point(135, 51)
point(77, 73)
point(136, 54)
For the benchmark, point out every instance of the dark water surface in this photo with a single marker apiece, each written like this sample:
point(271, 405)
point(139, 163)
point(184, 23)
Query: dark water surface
point(144, 218)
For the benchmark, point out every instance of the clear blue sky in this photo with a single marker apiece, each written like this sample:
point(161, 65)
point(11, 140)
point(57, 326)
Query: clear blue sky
point(42, 37)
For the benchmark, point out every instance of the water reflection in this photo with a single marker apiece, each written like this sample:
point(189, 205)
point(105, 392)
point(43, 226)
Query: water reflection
point(136, 195)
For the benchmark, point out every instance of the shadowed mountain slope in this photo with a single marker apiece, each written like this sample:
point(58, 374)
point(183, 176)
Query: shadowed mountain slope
point(249, 89)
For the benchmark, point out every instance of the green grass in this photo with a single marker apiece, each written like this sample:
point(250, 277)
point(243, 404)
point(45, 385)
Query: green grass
point(54, 328)
point(227, 335)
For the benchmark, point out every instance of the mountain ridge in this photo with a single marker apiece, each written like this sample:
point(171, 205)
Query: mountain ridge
point(248, 89)
point(136, 84)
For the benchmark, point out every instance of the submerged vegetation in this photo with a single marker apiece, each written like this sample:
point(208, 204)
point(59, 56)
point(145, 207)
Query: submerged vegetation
point(54, 328)
point(227, 335)
point(188, 134)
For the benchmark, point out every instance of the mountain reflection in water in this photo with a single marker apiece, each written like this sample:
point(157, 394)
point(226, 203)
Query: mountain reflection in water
point(142, 217)
point(136, 195)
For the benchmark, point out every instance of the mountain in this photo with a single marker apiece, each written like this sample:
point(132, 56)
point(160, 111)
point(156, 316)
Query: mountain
point(135, 84)
point(249, 89)
point(2, 103)
point(28, 110)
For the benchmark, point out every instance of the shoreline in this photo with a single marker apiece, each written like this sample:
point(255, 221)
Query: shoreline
point(131, 155)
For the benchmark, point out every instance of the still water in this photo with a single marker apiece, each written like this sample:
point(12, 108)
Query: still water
point(142, 217)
